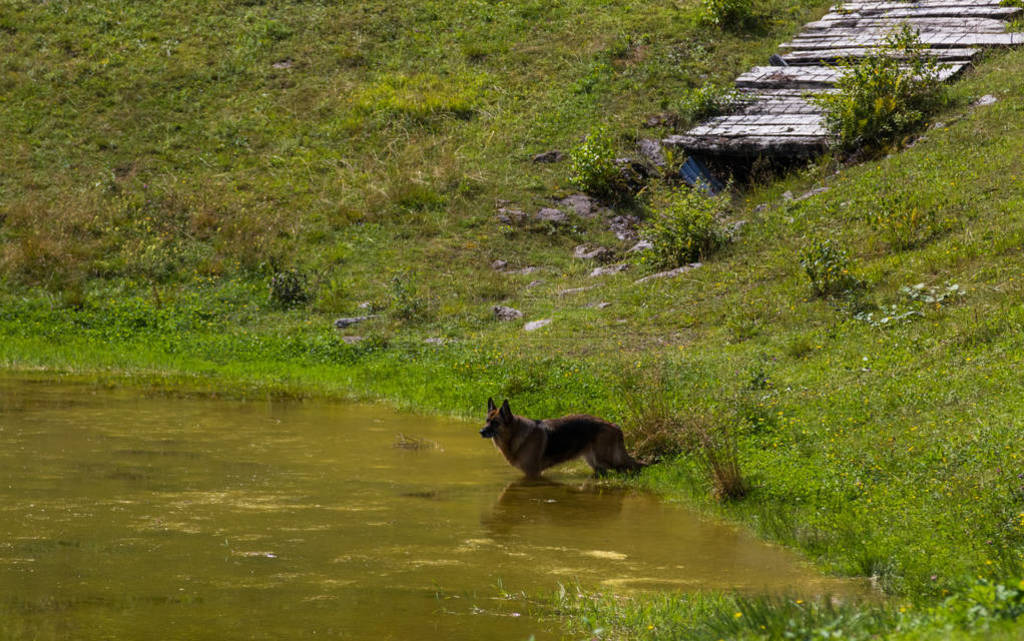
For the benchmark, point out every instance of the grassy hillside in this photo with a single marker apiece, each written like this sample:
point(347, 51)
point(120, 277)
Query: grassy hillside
point(165, 162)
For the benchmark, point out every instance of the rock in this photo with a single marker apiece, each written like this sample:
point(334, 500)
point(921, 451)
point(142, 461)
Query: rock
point(574, 290)
point(352, 340)
point(809, 194)
point(537, 324)
point(499, 265)
point(503, 313)
point(600, 305)
point(640, 246)
point(651, 150)
point(760, 208)
point(365, 305)
point(669, 274)
point(600, 254)
point(342, 323)
point(777, 61)
point(508, 216)
point(549, 156)
point(283, 64)
point(788, 195)
point(552, 215)
point(435, 341)
point(524, 270)
point(582, 204)
point(624, 226)
point(984, 101)
point(663, 119)
point(534, 283)
point(610, 269)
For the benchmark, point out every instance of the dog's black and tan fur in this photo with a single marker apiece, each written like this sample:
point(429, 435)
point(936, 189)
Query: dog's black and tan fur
point(533, 446)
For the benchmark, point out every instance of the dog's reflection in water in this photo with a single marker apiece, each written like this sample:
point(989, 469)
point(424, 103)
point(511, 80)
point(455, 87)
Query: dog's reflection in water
point(526, 503)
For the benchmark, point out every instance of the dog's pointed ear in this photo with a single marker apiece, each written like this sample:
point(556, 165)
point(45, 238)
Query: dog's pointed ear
point(506, 411)
point(490, 405)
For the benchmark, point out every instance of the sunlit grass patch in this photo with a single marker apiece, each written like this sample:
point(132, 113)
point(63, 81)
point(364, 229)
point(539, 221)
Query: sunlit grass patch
point(422, 96)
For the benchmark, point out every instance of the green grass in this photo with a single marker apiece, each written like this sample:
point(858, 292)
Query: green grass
point(160, 170)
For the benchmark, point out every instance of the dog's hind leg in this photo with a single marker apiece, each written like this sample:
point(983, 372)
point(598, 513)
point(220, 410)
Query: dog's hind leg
point(621, 461)
point(600, 467)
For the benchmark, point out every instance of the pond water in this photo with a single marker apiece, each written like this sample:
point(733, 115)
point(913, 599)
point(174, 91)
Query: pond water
point(127, 517)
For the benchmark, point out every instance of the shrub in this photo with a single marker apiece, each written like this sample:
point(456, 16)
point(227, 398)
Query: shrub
point(289, 288)
point(885, 95)
point(727, 14)
point(685, 227)
point(593, 167)
point(827, 265)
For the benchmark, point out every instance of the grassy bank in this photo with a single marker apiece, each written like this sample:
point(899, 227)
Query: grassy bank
point(168, 161)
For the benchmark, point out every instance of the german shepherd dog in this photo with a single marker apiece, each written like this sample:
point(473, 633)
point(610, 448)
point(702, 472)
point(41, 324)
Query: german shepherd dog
point(534, 446)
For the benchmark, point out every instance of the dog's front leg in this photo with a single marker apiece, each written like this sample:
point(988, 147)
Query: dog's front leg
point(531, 455)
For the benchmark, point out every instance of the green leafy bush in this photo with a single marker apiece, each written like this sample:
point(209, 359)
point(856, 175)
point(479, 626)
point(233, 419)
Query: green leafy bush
point(593, 167)
point(727, 14)
point(983, 604)
point(827, 265)
point(885, 95)
point(685, 227)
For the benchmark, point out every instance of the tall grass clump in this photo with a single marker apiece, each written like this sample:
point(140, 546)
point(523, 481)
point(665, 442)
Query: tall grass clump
point(905, 220)
point(684, 227)
point(659, 428)
point(884, 96)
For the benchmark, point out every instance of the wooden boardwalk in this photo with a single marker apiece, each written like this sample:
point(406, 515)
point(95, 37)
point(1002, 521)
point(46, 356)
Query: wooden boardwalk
point(777, 120)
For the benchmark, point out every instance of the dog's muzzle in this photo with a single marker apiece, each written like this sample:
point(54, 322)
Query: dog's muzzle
point(487, 432)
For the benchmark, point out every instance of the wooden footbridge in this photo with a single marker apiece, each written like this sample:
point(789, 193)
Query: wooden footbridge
point(776, 120)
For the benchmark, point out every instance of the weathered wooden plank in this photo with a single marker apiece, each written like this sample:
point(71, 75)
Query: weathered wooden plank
point(781, 107)
point(885, 5)
point(791, 77)
point(811, 76)
point(787, 146)
point(1001, 13)
point(742, 131)
point(936, 40)
point(832, 56)
point(779, 94)
point(760, 120)
point(842, 27)
point(855, 32)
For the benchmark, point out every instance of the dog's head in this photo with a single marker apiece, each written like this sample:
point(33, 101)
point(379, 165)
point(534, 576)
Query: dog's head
point(497, 418)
